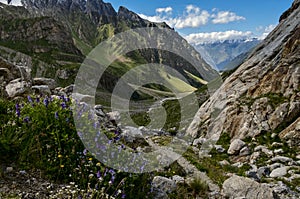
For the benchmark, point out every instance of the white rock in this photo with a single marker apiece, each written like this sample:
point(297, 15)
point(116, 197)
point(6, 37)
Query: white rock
point(275, 166)
point(16, 87)
point(114, 116)
point(281, 159)
point(224, 163)
point(241, 187)
point(236, 146)
point(41, 89)
point(178, 179)
point(245, 151)
point(279, 172)
point(278, 151)
point(44, 81)
point(9, 169)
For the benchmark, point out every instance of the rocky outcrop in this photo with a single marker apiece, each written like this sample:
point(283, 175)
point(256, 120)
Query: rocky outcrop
point(241, 187)
point(262, 94)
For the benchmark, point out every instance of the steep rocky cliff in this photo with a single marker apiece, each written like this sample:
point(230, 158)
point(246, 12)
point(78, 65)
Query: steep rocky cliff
point(253, 120)
point(263, 94)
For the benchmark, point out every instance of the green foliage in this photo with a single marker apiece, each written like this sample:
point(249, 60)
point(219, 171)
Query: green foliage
point(224, 140)
point(40, 133)
point(196, 188)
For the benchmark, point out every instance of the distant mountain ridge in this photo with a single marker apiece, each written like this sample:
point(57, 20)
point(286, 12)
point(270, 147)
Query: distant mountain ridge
point(220, 54)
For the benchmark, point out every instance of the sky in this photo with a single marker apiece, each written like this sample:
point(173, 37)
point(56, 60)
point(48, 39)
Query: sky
point(201, 21)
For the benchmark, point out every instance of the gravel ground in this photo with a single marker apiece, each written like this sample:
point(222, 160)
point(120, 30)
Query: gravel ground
point(17, 184)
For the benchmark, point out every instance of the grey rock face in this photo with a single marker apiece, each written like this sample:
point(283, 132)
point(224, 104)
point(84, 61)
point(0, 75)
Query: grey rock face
point(246, 98)
point(240, 187)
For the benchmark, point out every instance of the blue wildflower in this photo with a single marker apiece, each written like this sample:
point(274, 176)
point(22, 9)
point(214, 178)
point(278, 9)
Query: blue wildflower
point(46, 102)
point(29, 99)
point(84, 151)
point(56, 115)
point(98, 174)
point(63, 105)
point(123, 195)
point(26, 119)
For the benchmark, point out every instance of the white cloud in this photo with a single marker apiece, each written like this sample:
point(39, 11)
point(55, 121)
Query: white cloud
point(164, 10)
point(192, 9)
point(199, 38)
point(13, 2)
point(192, 17)
point(265, 31)
point(155, 18)
point(224, 17)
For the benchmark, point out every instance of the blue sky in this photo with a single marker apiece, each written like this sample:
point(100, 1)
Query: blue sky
point(210, 20)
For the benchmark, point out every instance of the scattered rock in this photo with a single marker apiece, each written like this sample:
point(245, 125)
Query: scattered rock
point(199, 141)
point(278, 151)
point(162, 186)
point(241, 187)
point(82, 98)
point(178, 179)
point(275, 166)
point(264, 149)
point(9, 169)
point(132, 134)
point(42, 89)
point(280, 188)
point(279, 172)
point(219, 148)
point(254, 157)
point(45, 81)
point(245, 151)
point(235, 147)
point(114, 116)
point(99, 111)
point(224, 163)
point(281, 159)
point(17, 87)
point(263, 172)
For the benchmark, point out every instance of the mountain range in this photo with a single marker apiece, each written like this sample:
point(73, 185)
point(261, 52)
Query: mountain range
point(246, 134)
point(55, 37)
point(223, 55)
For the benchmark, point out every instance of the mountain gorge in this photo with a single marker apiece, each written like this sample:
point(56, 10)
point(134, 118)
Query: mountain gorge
point(246, 134)
point(61, 33)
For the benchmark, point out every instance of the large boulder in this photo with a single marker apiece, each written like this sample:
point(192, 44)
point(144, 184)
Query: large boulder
point(241, 187)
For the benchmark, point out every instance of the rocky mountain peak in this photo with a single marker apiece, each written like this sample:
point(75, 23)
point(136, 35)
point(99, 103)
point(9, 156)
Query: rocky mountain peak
point(124, 13)
point(87, 6)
